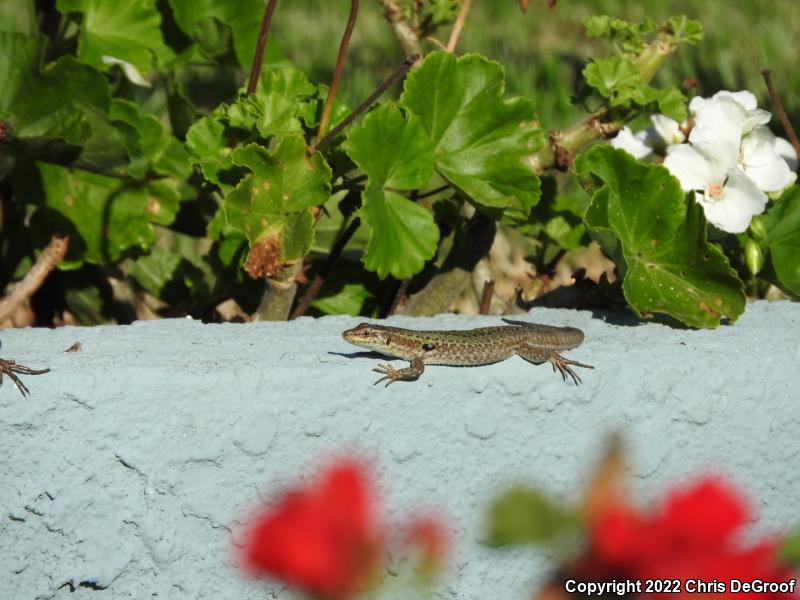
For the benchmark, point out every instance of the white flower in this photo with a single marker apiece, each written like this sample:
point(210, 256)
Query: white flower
point(130, 71)
point(761, 162)
point(786, 151)
point(722, 121)
point(664, 132)
point(728, 197)
point(632, 144)
point(668, 130)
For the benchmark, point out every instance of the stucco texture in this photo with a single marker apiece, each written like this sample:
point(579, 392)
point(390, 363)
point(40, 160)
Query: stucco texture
point(126, 471)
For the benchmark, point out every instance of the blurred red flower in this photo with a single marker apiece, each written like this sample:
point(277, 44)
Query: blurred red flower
point(692, 534)
point(427, 534)
point(322, 539)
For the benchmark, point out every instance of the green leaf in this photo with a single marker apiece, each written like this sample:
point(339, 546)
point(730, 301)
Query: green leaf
point(667, 263)
point(128, 31)
point(629, 35)
point(58, 114)
point(615, 78)
point(106, 218)
point(685, 29)
point(155, 270)
point(480, 139)
point(672, 103)
point(20, 56)
point(525, 516)
point(311, 111)
point(271, 205)
point(395, 153)
point(782, 222)
point(161, 152)
point(403, 234)
point(241, 16)
point(207, 147)
point(175, 270)
point(790, 549)
point(275, 107)
point(18, 16)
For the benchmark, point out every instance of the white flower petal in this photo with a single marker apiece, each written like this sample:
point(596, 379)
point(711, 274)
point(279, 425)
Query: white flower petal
point(720, 119)
point(689, 166)
point(761, 162)
point(745, 98)
point(721, 155)
point(755, 118)
point(130, 71)
point(741, 200)
point(668, 129)
point(786, 151)
point(634, 145)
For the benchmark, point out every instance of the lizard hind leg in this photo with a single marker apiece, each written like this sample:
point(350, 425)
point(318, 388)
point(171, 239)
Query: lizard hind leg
point(539, 355)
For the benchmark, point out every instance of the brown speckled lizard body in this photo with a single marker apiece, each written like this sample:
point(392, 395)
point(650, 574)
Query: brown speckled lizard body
point(533, 342)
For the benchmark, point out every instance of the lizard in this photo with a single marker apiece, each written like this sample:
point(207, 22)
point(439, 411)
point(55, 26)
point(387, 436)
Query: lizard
point(486, 345)
point(10, 368)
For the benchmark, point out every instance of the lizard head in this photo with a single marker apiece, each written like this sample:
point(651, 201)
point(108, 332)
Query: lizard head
point(374, 337)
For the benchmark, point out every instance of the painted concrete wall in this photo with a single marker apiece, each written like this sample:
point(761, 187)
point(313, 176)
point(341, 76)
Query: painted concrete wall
point(132, 461)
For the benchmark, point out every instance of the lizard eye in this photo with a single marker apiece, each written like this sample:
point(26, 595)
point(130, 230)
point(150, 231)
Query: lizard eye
point(427, 347)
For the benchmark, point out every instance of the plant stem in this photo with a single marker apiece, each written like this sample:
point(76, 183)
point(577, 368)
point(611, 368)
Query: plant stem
point(776, 102)
point(337, 72)
point(432, 192)
point(316, 284)
point(258, 57)
point(486, 297)
point(443, 289)
point(398, 73)
point(398, 293)
point(458, 26)
point(562, 145)
point(403, 31)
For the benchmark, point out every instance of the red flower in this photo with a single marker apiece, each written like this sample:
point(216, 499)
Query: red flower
point(691, 535)
point(429, 536)
point(321, 539)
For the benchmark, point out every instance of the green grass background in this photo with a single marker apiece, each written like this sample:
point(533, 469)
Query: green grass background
point(544, 50)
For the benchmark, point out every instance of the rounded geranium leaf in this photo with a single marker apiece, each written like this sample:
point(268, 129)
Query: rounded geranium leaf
point(106, 218)
point(403, 234)
point(480, 139)
point(271, 205)
point(119, 32)
point(666, 261)
point(393, 151)
point(782, 222)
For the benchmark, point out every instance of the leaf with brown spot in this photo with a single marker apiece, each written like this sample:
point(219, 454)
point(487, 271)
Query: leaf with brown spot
point(264, 259)
point(274, 202)
point(656, 234)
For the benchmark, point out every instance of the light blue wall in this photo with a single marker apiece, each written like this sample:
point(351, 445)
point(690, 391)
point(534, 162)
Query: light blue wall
point(133, 460)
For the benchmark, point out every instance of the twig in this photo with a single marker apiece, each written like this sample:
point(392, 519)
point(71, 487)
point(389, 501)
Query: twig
point(776, 102)
point(486, 297)
point(403, 31)
point(46, 262)
point(459, 24)
point(316, 284)
point(337, 72)
point(258, 57)
point(398, 73)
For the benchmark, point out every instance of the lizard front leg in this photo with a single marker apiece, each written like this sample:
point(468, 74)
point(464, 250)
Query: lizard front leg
point(408, 374)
